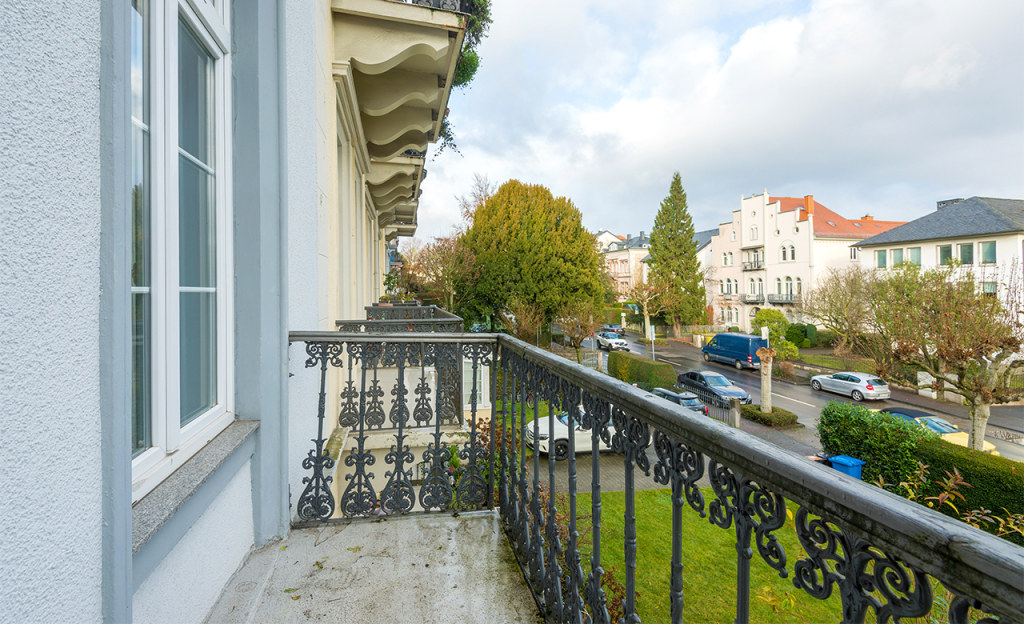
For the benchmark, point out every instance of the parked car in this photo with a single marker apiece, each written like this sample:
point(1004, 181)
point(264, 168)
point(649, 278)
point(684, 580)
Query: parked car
point(686, 399)
point(740, 350)
point(610, 341)
point(614, 328)
point(559, 445)
point(947, 430)
point(857, 386)
point(711, 386)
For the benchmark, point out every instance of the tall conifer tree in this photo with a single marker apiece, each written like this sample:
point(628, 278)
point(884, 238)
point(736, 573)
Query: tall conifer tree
point(674, 264)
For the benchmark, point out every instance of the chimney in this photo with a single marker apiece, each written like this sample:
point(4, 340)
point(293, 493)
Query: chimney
point(641, 233)
point(809, 204)
point(867, 218)
point(946, 203)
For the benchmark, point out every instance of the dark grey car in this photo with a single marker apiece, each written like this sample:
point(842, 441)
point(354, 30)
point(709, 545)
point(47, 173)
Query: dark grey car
point(712, 386)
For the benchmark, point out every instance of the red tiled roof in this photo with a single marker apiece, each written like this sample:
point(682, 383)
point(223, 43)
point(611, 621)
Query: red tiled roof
point(829, 223)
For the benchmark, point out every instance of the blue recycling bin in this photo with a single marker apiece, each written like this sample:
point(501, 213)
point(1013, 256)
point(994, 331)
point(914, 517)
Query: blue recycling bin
point(847, 465)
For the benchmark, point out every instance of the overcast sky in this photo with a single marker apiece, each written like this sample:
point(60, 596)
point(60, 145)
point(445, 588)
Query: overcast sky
point(875, 107)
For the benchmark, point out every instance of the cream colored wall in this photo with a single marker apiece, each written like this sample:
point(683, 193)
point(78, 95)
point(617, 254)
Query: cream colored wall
point(1009, 250)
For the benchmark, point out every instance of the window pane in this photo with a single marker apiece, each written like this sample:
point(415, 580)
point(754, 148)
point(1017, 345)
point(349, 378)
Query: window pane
point(988, 252)
point(195, 102)
point(914, 254)
point(945, 254)
point(897, 256)
point(198, 369)
point(140, 215)
point(139, 18)
point(880, 259)
point(197, 229)
point(196, 226)
point(967, 253)
point(141, 406)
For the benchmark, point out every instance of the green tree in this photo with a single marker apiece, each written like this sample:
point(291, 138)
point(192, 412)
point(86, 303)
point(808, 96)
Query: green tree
point(530, 246)
point(777, 325)
point(674, 265)
point(956, 328)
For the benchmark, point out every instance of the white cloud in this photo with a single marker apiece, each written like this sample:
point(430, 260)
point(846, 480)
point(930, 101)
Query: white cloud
point(873, 106)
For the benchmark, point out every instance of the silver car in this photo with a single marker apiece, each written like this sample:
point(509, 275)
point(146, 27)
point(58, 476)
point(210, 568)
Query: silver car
point(857, 386)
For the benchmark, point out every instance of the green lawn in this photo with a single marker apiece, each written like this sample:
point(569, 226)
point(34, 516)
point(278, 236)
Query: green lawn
point(850, 363)
point(709, 567)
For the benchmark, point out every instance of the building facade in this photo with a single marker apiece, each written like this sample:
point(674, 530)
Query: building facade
point(217, 174)
point(623, 258)
point(982, 234)
point(775, 248)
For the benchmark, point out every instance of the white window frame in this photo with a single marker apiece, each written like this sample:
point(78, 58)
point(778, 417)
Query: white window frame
point(172, 444)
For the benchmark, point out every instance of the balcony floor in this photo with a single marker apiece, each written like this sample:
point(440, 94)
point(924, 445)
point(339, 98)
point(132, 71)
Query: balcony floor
point(416, 568)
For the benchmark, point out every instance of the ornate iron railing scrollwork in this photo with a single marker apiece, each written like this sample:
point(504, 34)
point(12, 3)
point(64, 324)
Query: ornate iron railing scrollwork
point(879, 553)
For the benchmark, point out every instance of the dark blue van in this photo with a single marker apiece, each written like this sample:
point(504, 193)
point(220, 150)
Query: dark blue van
point(740, 350)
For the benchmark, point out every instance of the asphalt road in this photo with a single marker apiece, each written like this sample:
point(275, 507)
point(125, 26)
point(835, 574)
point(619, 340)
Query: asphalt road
point(799, 399)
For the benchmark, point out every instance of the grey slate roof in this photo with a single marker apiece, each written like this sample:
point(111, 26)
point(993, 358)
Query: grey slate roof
point(704, 238)
point(971, 217)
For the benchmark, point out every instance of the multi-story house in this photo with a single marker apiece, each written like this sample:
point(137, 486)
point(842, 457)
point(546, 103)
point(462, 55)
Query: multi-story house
point(981, 233)
point(624, 260)
point(194, 206)
point(774, 248)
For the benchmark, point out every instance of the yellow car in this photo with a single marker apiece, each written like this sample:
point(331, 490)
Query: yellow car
point(947, 430)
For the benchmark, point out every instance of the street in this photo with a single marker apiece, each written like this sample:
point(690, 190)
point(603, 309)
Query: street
point(804, 402)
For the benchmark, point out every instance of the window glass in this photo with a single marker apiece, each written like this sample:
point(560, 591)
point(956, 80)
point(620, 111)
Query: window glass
point(792, 253)
point(989, 288)
point(945, 254)
point(966, 253)
point(897, 256)
point(988, 252)
point(914, 256)
point(880, 259)
point(854, 253)
point(140, 200)
point(197, 229)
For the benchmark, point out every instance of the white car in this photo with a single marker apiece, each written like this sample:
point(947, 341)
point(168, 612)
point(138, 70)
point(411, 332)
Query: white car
point(610, 341)
point(559, 445)
point(857, 386)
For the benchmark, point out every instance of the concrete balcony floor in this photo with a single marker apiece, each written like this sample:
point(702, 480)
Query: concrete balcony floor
point(415, 568)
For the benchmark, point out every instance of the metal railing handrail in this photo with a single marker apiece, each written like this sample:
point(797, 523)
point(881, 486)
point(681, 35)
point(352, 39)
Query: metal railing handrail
point(924, 538)
point(873, 527)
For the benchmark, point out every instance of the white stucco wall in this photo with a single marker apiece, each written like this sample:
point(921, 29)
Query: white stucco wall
point(50, 553)
point(188, 590)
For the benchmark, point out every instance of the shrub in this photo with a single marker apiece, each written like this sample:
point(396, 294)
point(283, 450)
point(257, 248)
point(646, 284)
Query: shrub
point(795, 333)
point(786, 350)
point(806, 344)
point(786, 369)
point(632, 368)
point(778, 418)
point(735, 329)
point(812, 333)
point(887, 445)
point(996, 482)
point(827, 338)
point(774, 320)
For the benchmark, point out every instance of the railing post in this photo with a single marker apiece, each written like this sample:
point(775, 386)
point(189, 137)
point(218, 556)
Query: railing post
point(734, 413)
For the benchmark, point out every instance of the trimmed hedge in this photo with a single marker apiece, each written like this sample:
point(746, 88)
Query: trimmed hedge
point(997, 483)
point(778, 418)
point(812, 333)
point(888, 445)
point(632, 368)
point(827, 338)
point(795, 333)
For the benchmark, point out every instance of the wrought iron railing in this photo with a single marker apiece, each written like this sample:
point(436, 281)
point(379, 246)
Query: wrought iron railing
point(874, 550)
point(403, 317)
point(783, 298)
point(753, 266)
point(752, 298)
point(447, 5)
